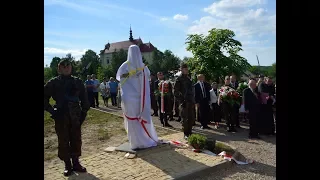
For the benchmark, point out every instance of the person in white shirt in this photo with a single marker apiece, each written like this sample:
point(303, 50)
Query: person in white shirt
point(215, 107)
point(105, 91)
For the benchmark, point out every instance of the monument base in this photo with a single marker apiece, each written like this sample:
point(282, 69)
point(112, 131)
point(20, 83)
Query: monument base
point(125, 147)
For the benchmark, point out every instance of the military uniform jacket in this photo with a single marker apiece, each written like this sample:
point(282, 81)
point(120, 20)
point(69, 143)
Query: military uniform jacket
point(65, 90)
point(184, 89)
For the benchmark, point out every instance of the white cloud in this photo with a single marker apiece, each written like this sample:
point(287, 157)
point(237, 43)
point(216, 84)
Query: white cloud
point(180, 17)
point(225, 8)
point(49, 53)
point(249, 19)
point(164, 19)
point(244, 17)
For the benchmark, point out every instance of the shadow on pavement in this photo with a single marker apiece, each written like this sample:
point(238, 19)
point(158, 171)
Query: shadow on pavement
point(173, 163)
point(83, 176)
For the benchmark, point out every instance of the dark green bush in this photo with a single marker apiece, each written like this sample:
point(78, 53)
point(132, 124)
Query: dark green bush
point(197, 141)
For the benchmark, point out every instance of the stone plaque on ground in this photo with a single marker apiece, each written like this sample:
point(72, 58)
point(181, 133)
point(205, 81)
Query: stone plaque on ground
point(125, 147)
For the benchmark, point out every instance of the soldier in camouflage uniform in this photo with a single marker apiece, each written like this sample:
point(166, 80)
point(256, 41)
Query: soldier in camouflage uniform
point(184, 92)
point(69, 113)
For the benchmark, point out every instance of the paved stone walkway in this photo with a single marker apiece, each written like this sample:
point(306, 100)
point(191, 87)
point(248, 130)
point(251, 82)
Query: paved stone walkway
point(263, 152)
point(167, 163)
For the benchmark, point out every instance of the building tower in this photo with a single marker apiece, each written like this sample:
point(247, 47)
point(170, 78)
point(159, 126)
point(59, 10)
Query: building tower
point(130, 37)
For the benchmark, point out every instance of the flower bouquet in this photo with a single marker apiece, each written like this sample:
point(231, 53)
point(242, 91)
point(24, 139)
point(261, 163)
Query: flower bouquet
point(241, 87)
point(229, 95)
point(162, 85)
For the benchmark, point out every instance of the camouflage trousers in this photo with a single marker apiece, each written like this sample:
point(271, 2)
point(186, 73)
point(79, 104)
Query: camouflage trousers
point(68, 130)
point(187, 116)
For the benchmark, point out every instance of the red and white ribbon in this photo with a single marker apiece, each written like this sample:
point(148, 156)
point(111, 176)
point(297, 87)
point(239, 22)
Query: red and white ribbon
point(162, 96)
point(143, 98)
point(229, 158)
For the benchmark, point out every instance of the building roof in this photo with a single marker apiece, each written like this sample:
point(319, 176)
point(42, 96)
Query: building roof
point(144, 47)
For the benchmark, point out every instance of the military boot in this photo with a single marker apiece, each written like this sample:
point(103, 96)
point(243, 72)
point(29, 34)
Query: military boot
point(68, 168)
point(166, 124)
point(77, 166)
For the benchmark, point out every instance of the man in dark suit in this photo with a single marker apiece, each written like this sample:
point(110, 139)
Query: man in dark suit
point(252, 105)
point(234, 84)
point(202, 97)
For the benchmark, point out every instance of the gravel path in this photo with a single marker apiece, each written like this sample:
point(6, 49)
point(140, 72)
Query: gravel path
point(263, 152)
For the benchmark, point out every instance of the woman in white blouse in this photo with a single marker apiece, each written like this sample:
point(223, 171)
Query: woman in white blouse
point(215, 107)
point(105, 91)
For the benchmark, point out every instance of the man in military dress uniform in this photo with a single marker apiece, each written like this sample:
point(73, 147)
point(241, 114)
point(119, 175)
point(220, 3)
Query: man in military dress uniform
point(184, 92)
point(164, 98)
point(69, 113)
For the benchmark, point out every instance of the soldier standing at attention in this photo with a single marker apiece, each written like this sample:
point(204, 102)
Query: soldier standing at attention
point(183, 91)
point(69, 113)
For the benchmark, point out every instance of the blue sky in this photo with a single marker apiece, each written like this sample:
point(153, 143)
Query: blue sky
point(73, 26)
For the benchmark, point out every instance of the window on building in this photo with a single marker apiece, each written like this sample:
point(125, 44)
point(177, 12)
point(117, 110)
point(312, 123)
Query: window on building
point(108, 61)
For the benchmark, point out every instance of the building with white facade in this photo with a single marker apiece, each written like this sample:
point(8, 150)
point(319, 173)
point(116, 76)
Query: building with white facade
point(145, 48)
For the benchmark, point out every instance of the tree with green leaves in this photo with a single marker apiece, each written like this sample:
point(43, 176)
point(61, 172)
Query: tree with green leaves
point(272, 71)
point(90, 56)
point(105, 72)
point(47, 74)
point(54, 66)
point(155, 65)
point(164, 61)
point(170, 62)
point(118, 57)
point(216, 55)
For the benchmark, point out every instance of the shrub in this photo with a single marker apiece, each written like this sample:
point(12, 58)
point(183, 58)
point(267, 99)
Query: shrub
point(197, 141)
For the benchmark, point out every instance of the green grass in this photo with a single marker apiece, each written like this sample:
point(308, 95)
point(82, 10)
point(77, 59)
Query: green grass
point(97, 129)
point(103, 134)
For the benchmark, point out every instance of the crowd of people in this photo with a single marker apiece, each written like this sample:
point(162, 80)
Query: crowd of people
point(202, 102)
point(181, 99)
point(107, 89)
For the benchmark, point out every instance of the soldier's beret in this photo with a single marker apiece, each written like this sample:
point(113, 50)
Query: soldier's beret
point(64, 62)
point(183, 65)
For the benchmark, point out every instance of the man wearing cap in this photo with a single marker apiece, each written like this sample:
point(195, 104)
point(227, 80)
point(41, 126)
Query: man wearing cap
point(69, 113)
point(184, 92)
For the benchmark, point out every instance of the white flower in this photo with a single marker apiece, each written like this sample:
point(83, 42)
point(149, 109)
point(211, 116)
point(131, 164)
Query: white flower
point(223, 93)
point(245, 83)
